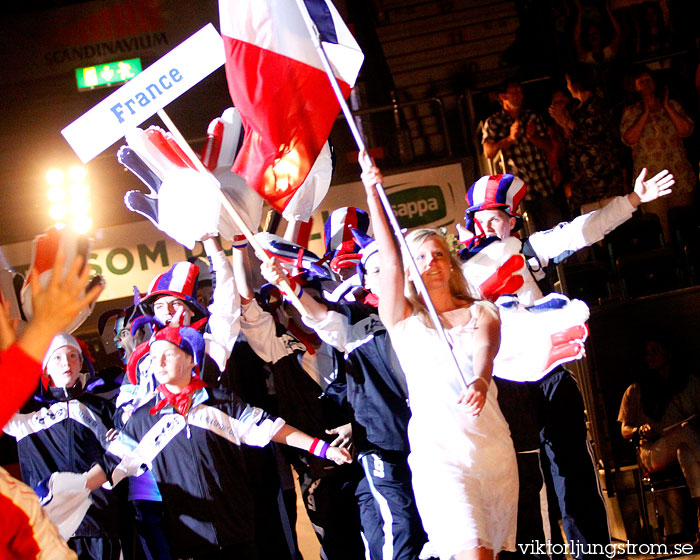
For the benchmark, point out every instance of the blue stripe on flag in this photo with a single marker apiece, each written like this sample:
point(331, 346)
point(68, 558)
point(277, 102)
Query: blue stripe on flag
point(321, 14)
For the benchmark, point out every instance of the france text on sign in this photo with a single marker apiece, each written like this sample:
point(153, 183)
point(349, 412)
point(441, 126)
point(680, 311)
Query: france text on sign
point(141, 97)
point(107, 74)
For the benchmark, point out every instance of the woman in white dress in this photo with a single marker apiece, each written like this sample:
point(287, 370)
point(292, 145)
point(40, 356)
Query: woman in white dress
point(464, 470)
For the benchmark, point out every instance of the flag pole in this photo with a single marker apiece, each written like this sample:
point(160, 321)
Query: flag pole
point(229, 208)
point(418, 279)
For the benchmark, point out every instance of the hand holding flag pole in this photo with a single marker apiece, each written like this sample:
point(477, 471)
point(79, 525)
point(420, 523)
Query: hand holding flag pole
point(366, 162)
point(228, 207)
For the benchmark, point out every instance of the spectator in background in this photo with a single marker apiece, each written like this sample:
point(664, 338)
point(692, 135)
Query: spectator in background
point(653, 36)
point(590, 47)
point(660, 412)
point(592, 150)
point(522, 136)
point(654, 128)
point(556, 157)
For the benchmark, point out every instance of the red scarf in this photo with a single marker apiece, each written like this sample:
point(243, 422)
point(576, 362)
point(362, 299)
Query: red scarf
point(180, 401)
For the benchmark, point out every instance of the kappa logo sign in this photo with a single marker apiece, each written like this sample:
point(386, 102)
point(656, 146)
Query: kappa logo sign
point(418, 206)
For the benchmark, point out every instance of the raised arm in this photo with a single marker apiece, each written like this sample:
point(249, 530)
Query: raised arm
point(615, 42)
point(580, 51)
point(55, 307)
point(393, 305)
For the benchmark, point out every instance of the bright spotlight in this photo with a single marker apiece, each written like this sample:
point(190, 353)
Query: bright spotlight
point(79, 191)
point(82, 224)
point(77, 174)
point(58, 212)
point(56, 193)
point(55, 177)
point(79, 207)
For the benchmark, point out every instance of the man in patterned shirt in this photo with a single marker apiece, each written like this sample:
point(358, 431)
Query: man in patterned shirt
point(522, 136)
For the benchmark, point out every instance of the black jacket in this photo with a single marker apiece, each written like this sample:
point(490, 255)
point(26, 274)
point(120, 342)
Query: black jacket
point(63, 431)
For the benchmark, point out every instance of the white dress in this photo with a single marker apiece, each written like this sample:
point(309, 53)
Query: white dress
point(465, 476)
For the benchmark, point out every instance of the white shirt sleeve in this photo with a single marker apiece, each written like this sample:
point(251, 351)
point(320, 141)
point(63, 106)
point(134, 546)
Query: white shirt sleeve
point(334, 330)
point(224, 321)
point(258, 326)
point(569, 237)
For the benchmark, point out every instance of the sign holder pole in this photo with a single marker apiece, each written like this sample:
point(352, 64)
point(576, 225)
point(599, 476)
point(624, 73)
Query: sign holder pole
point(228, 207)
point(418, 280)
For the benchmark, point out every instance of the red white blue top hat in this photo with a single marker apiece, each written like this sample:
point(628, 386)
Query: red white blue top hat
point(181, 282)
point(495, 192)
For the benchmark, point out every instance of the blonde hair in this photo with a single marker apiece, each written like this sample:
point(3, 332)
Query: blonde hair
point(457, 284)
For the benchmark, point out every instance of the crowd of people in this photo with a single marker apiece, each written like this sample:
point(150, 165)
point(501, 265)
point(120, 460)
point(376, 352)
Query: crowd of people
point(583, 153)
point(410, 439)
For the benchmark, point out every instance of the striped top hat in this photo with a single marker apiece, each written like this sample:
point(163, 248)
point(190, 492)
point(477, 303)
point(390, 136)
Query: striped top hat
point(495, 192)
point(181, 282)
point(341, 245)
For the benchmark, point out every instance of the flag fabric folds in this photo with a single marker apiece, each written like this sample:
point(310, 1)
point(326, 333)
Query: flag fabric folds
point(278, 85)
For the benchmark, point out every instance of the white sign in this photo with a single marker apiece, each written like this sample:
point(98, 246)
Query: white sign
point(126, 256)
point(140, 98)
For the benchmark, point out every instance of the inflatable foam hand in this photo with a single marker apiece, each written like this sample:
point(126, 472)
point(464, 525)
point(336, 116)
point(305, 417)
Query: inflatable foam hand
point(136, 201)
point(10, 286)
point(44, 250)
point(313, 190)
point(189, 206)
point(247, 203)
point(536, 339)
point(293, 257)
point(65, 499)
point(224, 137)
point(496, 267)
point(185, 204)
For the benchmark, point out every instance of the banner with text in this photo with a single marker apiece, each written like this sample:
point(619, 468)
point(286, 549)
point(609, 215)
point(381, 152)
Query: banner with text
point(161, 83)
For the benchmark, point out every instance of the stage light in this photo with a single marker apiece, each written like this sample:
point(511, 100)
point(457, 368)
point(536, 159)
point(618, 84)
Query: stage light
point(70, 200)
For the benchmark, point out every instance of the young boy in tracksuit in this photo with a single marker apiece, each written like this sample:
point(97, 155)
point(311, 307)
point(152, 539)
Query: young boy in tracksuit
point(64, 430)
point(189, 435)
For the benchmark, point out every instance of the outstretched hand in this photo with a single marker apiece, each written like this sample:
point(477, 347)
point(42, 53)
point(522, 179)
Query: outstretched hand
point(651, 189)
point(56, 306)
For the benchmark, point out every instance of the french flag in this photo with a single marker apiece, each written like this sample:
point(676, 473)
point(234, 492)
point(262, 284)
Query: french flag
point(278, 85)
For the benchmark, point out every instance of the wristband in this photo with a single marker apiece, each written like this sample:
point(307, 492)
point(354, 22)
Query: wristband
point(239, 241)
point(319, 448)
point(297, 290)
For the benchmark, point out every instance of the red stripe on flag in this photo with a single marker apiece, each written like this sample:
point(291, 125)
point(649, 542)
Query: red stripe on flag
point(288, 109)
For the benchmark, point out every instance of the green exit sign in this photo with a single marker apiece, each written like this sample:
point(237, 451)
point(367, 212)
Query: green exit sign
point(107, 74)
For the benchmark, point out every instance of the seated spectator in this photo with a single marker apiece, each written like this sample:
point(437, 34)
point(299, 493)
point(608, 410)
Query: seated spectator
point(660, 412)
